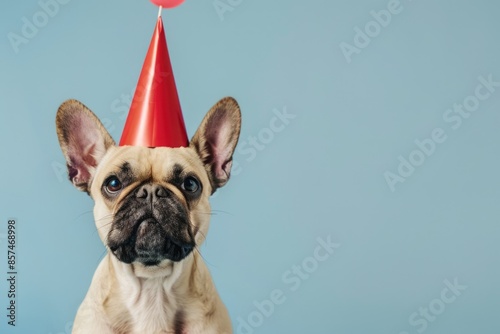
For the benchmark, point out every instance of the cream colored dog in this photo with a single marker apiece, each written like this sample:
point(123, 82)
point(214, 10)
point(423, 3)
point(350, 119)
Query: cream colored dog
point(151, 212)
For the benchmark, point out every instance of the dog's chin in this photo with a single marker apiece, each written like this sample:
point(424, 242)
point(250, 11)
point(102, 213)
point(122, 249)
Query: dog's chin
point(149, 244)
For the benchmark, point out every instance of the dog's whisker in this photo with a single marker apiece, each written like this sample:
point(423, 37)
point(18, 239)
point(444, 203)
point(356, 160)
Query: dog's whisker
point(81, 215)
point(204, 213)
point(225, 212)
point(105, 225)
point(204, 259)
point(203, 234)
point(196, 249)
point(104, 217)
point(103, 254)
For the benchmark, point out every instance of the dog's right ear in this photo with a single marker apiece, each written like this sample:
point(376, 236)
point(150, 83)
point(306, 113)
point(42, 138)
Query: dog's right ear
point(83, 140)
point(216, 139)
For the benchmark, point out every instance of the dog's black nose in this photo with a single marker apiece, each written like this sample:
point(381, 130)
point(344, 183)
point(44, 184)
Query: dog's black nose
point(151, 192)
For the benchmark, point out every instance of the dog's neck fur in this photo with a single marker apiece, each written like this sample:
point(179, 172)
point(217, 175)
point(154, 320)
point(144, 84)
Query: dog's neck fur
point(152, 298)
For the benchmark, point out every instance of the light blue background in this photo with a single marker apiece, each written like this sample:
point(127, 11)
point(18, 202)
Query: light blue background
point(322, 175)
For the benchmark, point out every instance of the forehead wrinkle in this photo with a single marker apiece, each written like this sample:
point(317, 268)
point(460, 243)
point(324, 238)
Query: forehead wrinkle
point(140, 162)
point(161, 159)
point(192, 160)
point(175, 175)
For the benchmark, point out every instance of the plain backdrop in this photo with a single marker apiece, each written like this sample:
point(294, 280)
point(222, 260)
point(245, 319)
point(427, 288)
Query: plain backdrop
point(359, 90)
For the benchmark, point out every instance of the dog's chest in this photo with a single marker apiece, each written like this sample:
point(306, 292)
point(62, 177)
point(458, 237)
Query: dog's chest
point(153, 310)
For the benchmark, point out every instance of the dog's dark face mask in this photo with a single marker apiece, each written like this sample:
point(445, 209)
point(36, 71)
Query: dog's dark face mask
point(152, 222)
point(150, 226)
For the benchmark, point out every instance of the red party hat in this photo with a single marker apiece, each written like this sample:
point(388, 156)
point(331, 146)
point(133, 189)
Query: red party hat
point(155, 116)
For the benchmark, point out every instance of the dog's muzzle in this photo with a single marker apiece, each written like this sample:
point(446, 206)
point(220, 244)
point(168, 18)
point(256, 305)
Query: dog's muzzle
point(151, 225)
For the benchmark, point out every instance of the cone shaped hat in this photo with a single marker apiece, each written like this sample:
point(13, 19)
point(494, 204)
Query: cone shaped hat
point(155, 116)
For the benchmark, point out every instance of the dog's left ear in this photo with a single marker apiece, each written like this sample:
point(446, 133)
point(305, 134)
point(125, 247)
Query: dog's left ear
point(83, 140)
point(216, 139)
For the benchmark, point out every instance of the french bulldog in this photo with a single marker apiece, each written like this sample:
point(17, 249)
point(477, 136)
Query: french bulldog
point(152, 213)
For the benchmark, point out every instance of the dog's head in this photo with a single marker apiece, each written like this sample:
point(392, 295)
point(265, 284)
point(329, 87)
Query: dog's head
point(151, 204)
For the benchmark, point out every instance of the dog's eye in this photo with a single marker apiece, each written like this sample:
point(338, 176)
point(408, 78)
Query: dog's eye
point(190, 184)
point(113, 185)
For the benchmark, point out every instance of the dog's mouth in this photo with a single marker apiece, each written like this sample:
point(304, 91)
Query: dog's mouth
point(149, 244)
